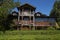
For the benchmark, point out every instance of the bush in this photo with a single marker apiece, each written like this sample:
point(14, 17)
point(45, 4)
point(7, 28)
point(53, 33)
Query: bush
point(51, 28)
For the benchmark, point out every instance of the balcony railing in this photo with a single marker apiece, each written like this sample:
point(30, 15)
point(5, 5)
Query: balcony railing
point(26, 14)
point(42, 24)
point(25, 22)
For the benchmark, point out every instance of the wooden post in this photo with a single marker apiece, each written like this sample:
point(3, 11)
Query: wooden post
point(33, 21)
point(22, 18)
point(18, 20)
point(30, 18)
point(30, 22)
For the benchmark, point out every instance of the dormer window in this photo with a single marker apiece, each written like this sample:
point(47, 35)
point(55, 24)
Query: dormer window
point(14, 13)
point(38, 14)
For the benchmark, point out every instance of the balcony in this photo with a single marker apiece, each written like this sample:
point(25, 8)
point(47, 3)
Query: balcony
point(26, 22)
point(27, 15)
point(42, 24)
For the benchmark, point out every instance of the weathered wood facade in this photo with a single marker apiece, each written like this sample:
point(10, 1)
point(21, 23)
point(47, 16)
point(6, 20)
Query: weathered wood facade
point(29, 20)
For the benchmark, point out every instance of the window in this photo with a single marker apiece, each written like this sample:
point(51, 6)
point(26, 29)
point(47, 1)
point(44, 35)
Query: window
point(38, 14)
point(41, 19)
point(26, 18)
point(26, 8)
point(51, 20)
point(14, 14)
point(26, 12)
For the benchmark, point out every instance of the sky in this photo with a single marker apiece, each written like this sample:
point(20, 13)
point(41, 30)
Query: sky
point(43, 6)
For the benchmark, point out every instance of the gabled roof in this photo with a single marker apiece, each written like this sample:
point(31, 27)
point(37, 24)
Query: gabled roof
point(14, 12)
point(40, 15)
point(26, 5)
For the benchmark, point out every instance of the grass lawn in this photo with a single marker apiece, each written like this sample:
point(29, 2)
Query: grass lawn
point(31, 35)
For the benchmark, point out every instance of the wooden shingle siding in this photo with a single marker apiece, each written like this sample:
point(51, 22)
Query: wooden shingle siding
point(27, 19)
point(26, 22)
point(42, 23)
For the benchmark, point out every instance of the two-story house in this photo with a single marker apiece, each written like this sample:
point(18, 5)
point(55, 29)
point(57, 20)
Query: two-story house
point(28, 19)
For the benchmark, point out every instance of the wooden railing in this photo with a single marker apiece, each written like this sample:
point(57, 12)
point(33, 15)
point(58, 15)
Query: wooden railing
point(27, 15)
point(25, 22)
point(42, 24)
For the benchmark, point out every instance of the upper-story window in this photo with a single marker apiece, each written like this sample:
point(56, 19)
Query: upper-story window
point(25, 18)
point(14, 13)
point(41, 19)
point(51, 20)
point(38, 15)
point(26, 9)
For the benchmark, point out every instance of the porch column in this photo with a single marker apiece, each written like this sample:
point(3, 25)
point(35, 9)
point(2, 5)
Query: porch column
point(18, 20)
point(22, 18)
point(30, 19)
point(33, 21)
point(30, 23)
point(18, 16)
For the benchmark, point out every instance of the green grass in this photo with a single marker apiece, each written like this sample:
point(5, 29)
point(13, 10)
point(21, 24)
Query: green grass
point(31, 35)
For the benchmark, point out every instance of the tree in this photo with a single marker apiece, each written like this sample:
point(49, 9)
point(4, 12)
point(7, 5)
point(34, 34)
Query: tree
point(56, 11)
point(6, 7)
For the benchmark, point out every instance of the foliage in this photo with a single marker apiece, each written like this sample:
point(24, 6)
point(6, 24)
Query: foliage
point(51, 28)
point(5, 9)
point(56, 11)
point(31, 35)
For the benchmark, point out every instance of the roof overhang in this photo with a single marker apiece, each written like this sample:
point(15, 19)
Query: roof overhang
point(26, 5)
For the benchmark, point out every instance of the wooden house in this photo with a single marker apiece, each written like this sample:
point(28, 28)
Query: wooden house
point(29, 20)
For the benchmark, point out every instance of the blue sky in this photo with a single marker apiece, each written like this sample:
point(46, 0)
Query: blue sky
point(43, 6)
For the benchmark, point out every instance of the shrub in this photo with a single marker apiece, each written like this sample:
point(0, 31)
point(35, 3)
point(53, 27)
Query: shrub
point(51, 28)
